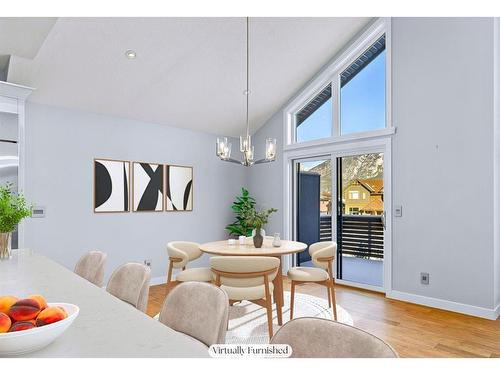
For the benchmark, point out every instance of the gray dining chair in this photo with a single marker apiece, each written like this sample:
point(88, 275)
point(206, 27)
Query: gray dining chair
point(325, 338)
point(91, 267)
point(197, 309)
point(130, 283)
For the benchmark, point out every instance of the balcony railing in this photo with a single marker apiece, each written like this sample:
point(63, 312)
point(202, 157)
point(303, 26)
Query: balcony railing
point(362, 235)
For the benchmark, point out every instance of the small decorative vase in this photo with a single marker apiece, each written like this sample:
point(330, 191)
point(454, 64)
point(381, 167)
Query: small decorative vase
point(262, 232)
point(257, 239)
point(5, 245)
point(277, 240)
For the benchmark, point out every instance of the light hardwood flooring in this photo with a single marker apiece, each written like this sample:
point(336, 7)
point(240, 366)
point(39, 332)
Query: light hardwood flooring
point(413, 330)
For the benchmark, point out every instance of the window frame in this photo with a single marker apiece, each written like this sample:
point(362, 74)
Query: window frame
point(353, 193)
point(331, 75)
point(304, 104)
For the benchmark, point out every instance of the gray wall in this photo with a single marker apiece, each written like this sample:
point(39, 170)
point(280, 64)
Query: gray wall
point(265, 181)
point(61, 145)
point(442, 159)
point(496, 147)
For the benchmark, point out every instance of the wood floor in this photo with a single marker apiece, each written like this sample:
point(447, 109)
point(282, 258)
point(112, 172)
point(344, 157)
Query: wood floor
point(413, 330)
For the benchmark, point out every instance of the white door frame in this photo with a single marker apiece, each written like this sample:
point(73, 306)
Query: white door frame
point(382, 144)
point(12, 100)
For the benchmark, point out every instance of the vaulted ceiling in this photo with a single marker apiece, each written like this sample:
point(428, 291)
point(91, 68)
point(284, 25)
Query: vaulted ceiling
point(189, 72)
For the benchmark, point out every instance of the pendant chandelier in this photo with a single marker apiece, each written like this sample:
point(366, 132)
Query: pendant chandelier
point(223, 147)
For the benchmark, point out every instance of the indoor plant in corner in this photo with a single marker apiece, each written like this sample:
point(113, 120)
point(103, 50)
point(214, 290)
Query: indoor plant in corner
point(13, 209)
point(241, 207)
point(257, 219)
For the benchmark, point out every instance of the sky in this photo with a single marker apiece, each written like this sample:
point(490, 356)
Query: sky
point(362, 105)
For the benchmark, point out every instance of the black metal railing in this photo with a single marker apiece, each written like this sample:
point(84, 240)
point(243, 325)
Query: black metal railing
point(362, 235)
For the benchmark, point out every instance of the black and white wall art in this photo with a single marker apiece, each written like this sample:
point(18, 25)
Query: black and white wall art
point(111, 185)
point(179, 188)
point(147, 189)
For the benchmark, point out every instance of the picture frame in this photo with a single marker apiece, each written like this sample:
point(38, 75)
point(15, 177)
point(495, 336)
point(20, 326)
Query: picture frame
point(111, 185)
point(147, 187)
point(179, 188)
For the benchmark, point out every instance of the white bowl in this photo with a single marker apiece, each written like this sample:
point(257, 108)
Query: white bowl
point(30, 340)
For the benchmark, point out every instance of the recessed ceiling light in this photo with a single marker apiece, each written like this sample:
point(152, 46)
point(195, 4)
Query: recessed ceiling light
point(129, 54)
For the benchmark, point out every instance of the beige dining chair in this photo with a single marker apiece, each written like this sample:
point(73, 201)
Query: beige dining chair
point(91, 267)
point(247, 278)
point(180, 253)
point(130, 283)
point(322, 255)
point(324, 338)
point(199, 310)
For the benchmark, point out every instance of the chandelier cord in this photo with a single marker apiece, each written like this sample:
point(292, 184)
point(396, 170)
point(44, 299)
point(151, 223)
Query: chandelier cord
point(223, 149)
point(247, 92)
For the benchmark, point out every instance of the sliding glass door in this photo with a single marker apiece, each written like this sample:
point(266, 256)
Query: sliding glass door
point(340, 197)
point(360, 218)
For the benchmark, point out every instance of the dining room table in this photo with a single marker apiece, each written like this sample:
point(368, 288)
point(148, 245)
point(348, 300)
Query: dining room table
point(234, 248)
point(105, 327)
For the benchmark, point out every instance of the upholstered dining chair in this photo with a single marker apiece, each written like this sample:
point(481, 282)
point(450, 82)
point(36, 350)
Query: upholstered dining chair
point(199, 310)
point(130, 283)
point(324, 338)
point(322, 255)
point(91, 267)
point(247, 278)
point(180, 253)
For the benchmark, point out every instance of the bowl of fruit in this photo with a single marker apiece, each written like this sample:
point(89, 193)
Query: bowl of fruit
point(30, 324)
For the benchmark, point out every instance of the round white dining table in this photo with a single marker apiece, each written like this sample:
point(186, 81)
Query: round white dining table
point(267, 249)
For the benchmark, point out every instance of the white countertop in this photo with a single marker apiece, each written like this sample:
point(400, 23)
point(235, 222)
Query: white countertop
point(106, 326)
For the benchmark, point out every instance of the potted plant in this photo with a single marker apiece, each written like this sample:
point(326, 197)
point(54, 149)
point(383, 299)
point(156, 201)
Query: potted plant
point(241, 207)
point(13, 209)
point(257, 219)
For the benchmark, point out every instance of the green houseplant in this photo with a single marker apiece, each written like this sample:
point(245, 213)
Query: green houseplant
point(13, 208)
point(241, 207)
point(257, 219)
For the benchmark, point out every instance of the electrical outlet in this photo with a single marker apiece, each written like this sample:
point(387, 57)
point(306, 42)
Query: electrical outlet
point(147, 262)
point(424, 278)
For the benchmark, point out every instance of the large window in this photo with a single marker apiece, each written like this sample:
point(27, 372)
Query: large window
point(348, 97)
point(362, 91)
point(314, 120)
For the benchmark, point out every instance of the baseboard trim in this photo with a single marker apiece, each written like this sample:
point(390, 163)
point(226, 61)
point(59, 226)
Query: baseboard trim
point(480, 312)
point(497, 311)
point(158, 280)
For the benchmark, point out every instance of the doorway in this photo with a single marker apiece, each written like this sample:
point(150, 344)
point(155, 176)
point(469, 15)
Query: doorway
point(360, 218)
point(343, 197)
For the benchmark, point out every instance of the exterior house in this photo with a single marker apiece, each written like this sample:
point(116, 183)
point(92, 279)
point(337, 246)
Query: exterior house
point(364, 197)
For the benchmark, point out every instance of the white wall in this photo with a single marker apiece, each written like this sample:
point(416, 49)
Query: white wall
point(61, 145)
point(442, 87)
